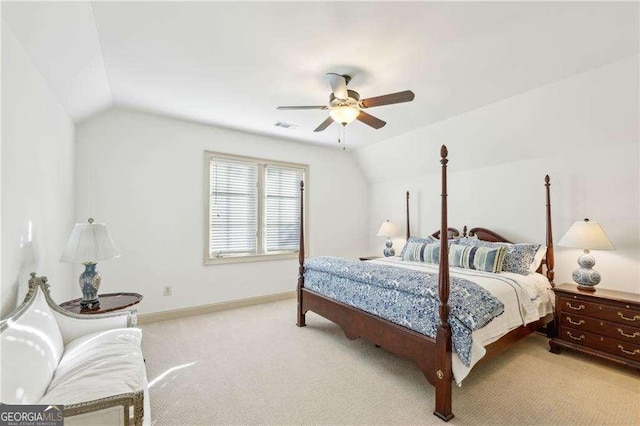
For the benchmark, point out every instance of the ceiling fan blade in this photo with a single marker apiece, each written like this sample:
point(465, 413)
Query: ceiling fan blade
point(302, 107)
point(326, 123)
point(370, 120)
point(338, 85)
point(393, 98)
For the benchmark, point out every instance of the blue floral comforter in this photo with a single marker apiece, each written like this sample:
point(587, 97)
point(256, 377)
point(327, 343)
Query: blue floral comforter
point(405, 297)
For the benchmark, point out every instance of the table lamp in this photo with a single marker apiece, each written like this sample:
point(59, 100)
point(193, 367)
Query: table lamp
point(388, 229)
point(89, 243)
point(586, 235)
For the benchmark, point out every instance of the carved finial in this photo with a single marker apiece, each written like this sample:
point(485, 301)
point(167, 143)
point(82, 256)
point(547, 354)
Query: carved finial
point(91, 221)
point(45, 283)
point(443, 151)
point(32, 280)
point(546, 180)
point(301, 184)
point(464, 231)
point(407, 194)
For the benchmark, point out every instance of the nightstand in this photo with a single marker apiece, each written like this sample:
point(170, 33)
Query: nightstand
point(369, 257)
point(604, 323)
point(108, 303)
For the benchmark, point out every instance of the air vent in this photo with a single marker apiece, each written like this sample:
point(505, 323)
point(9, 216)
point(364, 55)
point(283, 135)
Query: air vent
point(284, 125)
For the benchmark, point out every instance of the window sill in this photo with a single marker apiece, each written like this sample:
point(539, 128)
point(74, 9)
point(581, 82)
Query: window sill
point(251, 258)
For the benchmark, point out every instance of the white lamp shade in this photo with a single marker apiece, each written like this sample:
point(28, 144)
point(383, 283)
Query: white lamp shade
point(387, 229)
point(586, 235)
point(89, 243)
point(344, 114)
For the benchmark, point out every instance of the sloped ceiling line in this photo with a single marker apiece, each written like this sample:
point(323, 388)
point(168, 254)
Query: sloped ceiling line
point(7, 27)
point(104, 63)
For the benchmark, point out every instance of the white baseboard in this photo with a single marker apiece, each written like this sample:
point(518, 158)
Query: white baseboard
point(213, 307)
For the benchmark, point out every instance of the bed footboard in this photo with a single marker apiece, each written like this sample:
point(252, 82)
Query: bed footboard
point(356, 323)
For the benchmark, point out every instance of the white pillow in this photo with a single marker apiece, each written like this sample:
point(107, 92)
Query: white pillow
point(537, 259)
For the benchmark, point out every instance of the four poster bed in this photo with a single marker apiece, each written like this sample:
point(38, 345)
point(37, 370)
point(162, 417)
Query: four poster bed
point(419, 295)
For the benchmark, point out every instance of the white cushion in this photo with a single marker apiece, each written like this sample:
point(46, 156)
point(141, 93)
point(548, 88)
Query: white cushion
point(98, 365)
point(72, 328)
point(31, 347)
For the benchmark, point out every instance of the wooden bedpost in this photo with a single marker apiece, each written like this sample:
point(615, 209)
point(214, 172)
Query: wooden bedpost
point(408, 229)
point(444, 375)
point(550, 255)
point(301, 317)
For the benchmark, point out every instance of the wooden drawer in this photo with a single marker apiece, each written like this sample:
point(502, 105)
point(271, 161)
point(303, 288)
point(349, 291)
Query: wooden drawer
point(613, 346)
point(605, 328)
point(620, 315)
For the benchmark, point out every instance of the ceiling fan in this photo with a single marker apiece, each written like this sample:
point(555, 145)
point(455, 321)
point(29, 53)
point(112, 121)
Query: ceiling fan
point(345, 105)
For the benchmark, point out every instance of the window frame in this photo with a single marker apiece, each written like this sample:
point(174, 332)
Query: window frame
point(261, 216)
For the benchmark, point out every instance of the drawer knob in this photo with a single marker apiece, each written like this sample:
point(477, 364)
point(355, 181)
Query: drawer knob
point(635, 317)
point(636, 351)
point(576, 322)
point(576, 308)
point(633, 336)
point(571, 336)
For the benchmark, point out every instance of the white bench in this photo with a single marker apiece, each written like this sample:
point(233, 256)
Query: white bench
point(91, 364)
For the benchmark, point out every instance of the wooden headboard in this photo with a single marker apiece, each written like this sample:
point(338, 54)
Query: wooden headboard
point(488, 235)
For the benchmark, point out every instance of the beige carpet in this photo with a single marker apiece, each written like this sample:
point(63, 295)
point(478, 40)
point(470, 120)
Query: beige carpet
point(254, 366)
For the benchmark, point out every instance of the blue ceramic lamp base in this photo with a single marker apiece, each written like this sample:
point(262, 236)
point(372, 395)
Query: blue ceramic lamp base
point(389, 250)
point(586, 277)
point(89, 284)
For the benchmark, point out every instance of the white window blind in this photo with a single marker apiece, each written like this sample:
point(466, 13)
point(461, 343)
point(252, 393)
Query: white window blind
point(233, 214)
point(252, 208)
point(282, 208)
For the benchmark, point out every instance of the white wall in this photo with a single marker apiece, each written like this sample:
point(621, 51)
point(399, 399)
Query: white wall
point(142, 174)
point(582, 131)
point(37, 179)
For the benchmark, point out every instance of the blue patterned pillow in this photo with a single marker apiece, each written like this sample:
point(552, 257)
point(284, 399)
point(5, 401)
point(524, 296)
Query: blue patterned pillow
point(421, 252)
point(487, 259)
point(426, 240)
point(518, 258)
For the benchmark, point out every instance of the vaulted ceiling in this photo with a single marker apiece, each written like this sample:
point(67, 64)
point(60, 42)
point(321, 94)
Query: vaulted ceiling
point(231, 63)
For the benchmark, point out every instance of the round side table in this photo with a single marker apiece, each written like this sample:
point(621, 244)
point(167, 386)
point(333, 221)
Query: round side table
point(108, 303)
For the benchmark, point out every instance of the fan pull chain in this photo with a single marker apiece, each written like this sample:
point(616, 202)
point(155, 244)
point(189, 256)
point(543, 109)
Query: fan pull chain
point(344, 137)
point(342, 130)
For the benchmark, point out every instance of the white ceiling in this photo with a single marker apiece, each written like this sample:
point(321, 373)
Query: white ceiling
point(231, 64)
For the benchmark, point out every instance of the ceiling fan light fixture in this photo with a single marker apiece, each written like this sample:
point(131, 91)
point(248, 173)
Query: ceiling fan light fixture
point(344, 114)
point(345, 105)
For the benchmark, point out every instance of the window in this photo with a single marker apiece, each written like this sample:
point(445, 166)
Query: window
point(252, 208)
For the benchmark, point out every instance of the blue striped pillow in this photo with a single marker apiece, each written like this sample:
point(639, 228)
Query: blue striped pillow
point(518, 257)
point(426, 240)
point(485, 259)
point(421, 252)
